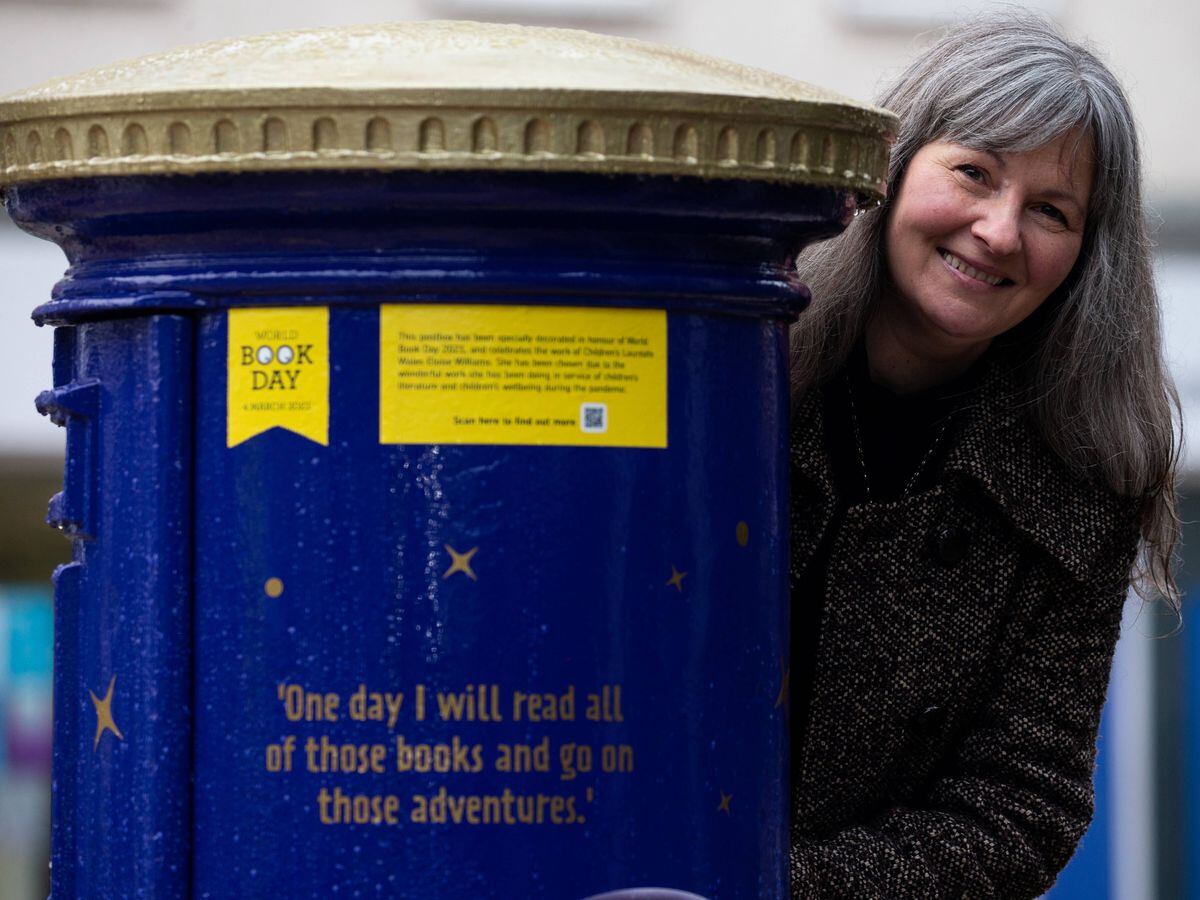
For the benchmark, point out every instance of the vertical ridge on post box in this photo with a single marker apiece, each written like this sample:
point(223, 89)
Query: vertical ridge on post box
point(122, 754)
point(68, 716)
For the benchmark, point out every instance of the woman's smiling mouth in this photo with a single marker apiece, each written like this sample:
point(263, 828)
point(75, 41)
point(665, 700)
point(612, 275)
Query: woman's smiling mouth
point(970, 271)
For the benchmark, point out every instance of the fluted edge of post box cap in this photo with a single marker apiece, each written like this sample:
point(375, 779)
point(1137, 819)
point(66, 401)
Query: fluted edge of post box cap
point(442, 96)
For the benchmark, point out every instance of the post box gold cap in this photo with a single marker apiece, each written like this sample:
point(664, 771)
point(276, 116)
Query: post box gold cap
point(441, 95)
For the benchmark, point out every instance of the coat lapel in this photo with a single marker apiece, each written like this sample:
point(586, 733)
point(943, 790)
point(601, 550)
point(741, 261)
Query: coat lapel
point(1083, 525)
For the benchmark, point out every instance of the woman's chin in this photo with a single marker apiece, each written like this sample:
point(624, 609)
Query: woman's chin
point(957, 335)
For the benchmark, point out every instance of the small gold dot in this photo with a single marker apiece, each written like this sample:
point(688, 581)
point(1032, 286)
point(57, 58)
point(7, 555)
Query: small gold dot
point(743, 534)
point(273, 588)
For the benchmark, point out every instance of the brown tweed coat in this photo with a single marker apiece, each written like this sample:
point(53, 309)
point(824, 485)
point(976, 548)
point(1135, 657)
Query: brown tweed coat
point(966, 643)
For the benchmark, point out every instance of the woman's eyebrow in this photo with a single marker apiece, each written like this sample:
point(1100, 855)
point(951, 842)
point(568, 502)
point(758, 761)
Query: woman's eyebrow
point(1059, 194)
point(1000, 163)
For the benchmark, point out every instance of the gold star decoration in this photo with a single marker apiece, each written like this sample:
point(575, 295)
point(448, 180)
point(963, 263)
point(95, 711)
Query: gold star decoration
point(785, 677)
point(104, 716)
point(724, 805)
point(743, 534)
point(460, 562)
point(676, 579)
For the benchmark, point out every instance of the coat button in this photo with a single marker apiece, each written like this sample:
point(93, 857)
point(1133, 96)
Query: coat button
point(951, 544)
point(929, 721)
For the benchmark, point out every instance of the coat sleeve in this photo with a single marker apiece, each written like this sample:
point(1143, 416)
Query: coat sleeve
point(1010, 801)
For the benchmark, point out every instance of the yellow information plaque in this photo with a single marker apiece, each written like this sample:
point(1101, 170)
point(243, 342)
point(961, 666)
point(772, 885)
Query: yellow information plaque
point(278, 372)
point(454, 374)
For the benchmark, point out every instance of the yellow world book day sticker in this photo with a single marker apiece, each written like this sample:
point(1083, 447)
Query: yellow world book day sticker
point(278, 373)
point(451, 374)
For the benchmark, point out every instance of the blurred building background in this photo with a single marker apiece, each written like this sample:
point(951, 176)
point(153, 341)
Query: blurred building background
point(1145, 843)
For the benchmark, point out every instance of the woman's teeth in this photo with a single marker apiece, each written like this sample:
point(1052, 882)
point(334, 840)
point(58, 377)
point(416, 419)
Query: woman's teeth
point(969, 271)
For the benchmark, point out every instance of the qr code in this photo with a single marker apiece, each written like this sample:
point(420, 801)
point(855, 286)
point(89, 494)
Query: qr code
point(593, 418)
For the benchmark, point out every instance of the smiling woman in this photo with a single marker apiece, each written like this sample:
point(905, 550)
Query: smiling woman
point(976, 241)
point(983, 443)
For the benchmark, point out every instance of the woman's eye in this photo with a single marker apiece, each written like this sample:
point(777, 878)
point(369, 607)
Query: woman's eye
point(973, 172)
point(1052, 212)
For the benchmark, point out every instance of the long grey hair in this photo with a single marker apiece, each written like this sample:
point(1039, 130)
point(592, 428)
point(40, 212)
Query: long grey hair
point(1098, 388)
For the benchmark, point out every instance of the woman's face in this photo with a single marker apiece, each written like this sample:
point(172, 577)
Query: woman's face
point(976, 240)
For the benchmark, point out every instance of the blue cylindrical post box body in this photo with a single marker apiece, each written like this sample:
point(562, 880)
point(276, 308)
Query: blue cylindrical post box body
point(430, 526)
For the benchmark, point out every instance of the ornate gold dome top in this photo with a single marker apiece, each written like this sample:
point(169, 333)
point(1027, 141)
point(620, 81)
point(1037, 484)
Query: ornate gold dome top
point(441, 95)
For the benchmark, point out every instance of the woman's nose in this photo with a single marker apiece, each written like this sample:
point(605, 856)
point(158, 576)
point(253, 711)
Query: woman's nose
point(999, 226)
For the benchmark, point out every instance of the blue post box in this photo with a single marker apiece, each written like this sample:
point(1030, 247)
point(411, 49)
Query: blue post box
point(425, 390)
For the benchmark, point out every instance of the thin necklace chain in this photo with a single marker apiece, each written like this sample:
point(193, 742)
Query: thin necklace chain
point(860, 447)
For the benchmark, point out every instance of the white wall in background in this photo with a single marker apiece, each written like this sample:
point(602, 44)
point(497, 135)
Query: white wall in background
point(1179, 282)
point(581, 10)
point(28, 269)
point(924, 13)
